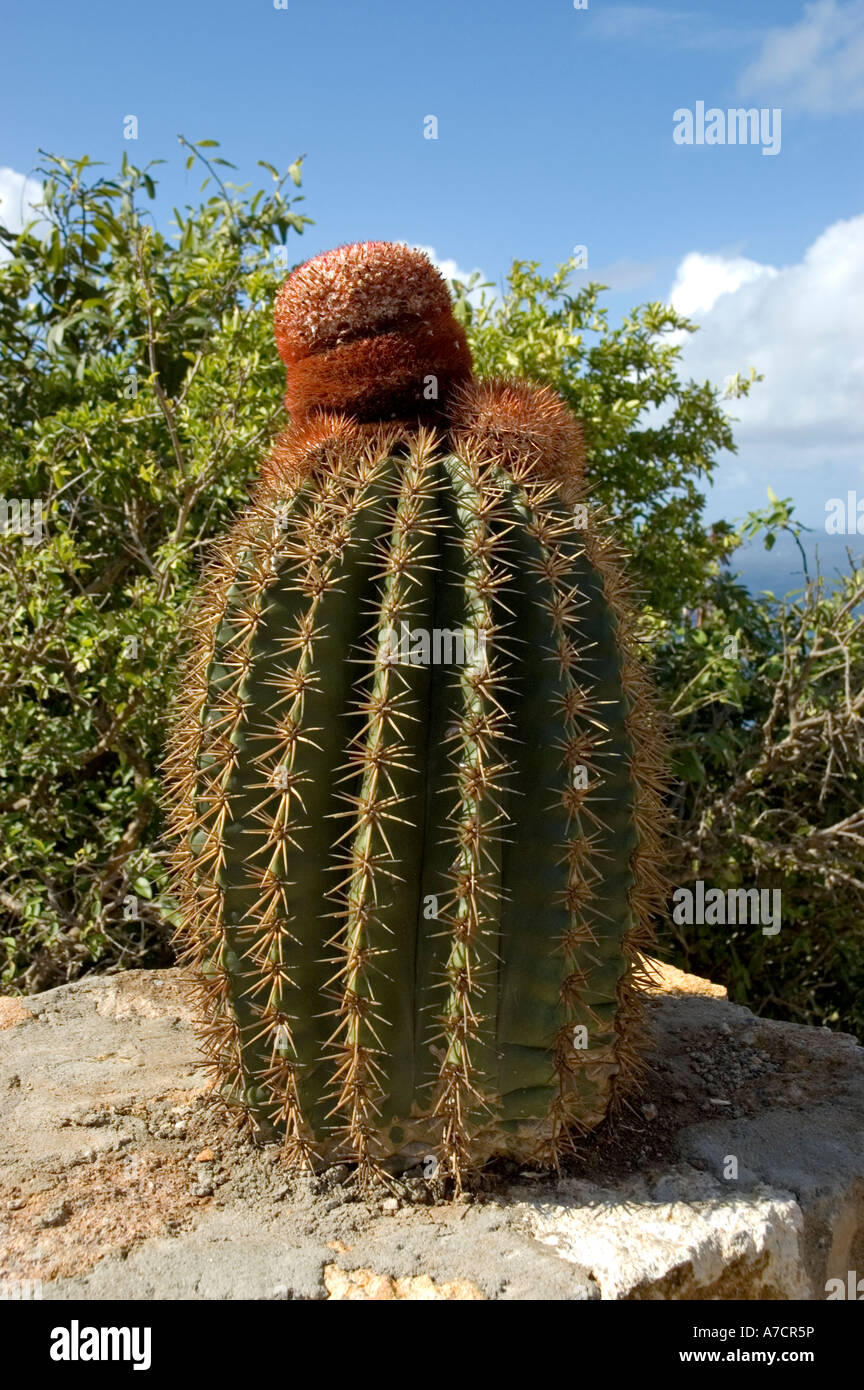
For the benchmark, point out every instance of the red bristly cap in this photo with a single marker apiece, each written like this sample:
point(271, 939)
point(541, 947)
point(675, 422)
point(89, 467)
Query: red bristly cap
point(368, 329)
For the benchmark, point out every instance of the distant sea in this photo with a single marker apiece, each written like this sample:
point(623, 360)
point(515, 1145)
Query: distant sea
point(781, 569)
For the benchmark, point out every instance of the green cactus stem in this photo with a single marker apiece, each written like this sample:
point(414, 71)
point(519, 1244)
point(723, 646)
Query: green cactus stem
point(416, 792)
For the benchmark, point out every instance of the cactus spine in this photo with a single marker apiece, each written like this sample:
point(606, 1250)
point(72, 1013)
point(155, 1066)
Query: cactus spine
point(415, 889)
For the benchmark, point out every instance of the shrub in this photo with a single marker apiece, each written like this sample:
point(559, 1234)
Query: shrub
point(138, 392)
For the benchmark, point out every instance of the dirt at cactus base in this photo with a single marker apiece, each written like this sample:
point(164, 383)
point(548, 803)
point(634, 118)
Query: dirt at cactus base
point(120, 1180)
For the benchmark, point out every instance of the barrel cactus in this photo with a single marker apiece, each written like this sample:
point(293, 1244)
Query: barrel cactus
point(415, 779)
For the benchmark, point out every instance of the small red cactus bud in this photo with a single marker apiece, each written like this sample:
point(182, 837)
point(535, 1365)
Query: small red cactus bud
point(526, 427)
point(315, 442)
point(368, 329)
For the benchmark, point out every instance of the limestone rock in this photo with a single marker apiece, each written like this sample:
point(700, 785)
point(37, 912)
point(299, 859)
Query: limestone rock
point(742, 1175)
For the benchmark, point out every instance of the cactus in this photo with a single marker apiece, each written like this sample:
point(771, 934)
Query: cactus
point(415, 778)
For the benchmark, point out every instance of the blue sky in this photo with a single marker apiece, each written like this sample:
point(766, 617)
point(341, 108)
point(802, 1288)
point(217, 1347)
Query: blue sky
point(555, 129)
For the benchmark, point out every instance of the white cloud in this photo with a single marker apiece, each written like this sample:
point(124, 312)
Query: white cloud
point(701, 280)
point(451, 270)
point(641, 21)
point(623, 275)
point(19, 197)
point(816, 64)
point(800, 325)
point(655, 24)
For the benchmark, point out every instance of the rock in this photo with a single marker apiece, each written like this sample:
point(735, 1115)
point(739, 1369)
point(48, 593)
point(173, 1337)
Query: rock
point(12, 1011)
point(54, 1216)
point(742, 1176)
point(366, 1285)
